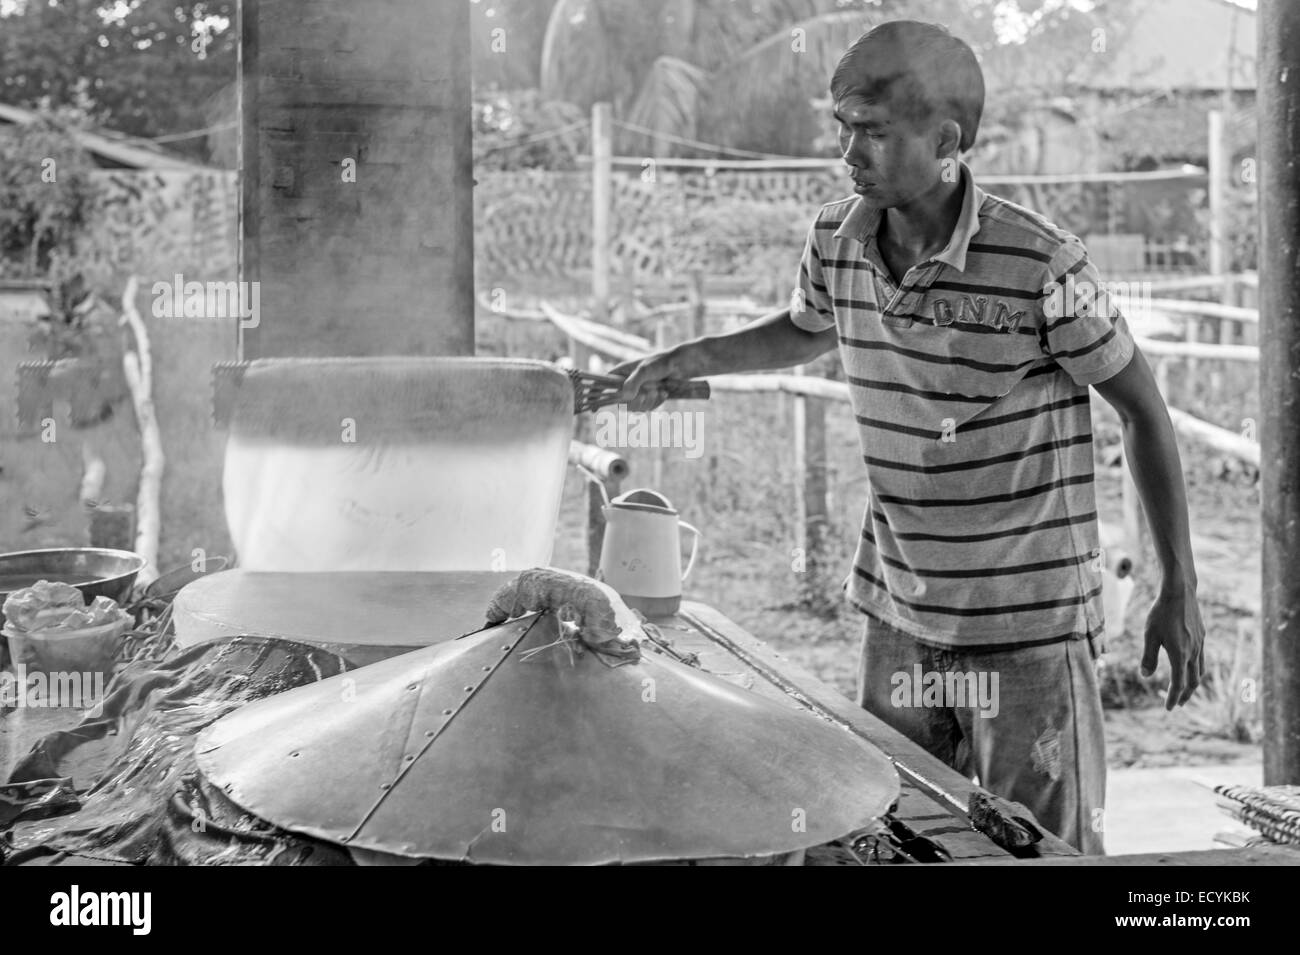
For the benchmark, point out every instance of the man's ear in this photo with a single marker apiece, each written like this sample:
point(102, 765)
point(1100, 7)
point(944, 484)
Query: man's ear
point(948, 142)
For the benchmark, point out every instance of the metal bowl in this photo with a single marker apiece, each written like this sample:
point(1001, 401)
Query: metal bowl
point(95, 571)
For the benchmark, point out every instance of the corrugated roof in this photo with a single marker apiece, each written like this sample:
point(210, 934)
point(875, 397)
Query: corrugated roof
point(1176, 45)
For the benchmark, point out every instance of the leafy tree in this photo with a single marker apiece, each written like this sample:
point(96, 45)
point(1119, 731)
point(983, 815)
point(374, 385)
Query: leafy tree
point(745, 73)
point(141, 67)
point(46, 196)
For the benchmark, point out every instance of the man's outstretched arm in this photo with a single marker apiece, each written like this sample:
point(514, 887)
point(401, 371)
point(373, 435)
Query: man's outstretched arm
point(1152, 451)
point(773, 341)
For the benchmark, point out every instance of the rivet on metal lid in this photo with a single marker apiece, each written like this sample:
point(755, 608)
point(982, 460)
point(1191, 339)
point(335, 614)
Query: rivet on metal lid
point(445, 713)
point(469, 689)
point(505, 649)
point(385, 785)
point(413, 686)
point(429, 734)
point(487, 669)
point(409, 757)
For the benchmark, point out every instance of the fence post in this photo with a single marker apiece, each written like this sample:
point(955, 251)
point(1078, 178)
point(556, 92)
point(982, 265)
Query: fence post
point(799, 451)
point(815, 500)
point(601, 171)
point(656, 451)
point(696, 317)
point(1219, 158)
point(1162, 377)
point(811, 492)
point(1132, 509)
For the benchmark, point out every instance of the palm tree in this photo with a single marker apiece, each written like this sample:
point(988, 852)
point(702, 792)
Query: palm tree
point(744, 73)
point(737, 72)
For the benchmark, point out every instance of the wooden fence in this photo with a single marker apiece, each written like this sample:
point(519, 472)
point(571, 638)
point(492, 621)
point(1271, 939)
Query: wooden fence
point(670, 216)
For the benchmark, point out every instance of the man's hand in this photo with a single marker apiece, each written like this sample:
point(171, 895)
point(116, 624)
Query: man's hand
point(770, 342)
point(1175, 624)
point(645, 387)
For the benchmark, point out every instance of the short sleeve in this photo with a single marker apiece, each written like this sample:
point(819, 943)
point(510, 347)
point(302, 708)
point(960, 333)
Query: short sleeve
point(1083, 330)
point(810, 305)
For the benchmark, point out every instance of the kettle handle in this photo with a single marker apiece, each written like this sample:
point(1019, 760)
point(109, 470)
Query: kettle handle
point(695, 546)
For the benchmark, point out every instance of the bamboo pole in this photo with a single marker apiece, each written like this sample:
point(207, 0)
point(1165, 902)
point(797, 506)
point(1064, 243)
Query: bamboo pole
point(600, 209)
point(697, 314)
point(816, 515)
point(1162, 377)
point(798, 451)
point(1213, 309)
point(657, 453)
point(1279, 288)
point(1191, 334)
point(1131, 508)
point(138, 368)
point(1225, 153)
point(1218, 184)
point(1156, 347)
point(1184, 282)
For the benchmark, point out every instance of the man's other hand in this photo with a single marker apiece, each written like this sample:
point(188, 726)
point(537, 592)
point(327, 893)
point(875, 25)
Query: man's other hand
point(1175, 624)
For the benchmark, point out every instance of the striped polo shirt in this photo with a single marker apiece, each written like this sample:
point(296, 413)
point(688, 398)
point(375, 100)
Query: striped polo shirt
point(969, 382)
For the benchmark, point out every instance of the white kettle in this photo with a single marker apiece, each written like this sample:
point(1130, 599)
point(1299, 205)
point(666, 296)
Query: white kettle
point(641, 557)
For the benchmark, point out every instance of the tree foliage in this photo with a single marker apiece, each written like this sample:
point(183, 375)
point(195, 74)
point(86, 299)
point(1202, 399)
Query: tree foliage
point(142, 67)
point(46, 196)
point(746, 73)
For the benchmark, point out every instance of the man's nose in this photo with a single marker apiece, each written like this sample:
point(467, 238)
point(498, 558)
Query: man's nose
point(853, 154)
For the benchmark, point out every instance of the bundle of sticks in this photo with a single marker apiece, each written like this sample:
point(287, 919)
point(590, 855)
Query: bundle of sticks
point(1272, 811)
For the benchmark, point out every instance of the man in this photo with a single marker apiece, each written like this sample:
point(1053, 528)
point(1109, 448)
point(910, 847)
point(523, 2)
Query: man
point(970, 330)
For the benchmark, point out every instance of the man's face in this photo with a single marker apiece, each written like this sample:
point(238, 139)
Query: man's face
point(892, 161)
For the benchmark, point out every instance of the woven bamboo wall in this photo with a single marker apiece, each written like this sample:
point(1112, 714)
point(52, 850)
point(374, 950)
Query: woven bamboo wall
point(749, 223)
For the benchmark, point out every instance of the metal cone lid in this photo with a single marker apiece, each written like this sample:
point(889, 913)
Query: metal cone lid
point(517, 745)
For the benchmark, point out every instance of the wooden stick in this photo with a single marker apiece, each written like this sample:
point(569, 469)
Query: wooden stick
point(1177, 306)
point(601, 204)
point(1131, 507)
point(1155, 346)
point(138, 368)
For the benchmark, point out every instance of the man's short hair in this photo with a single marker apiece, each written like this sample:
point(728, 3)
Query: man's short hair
point(941, 76)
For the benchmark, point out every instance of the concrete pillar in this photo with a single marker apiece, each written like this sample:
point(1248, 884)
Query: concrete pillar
point(357, 214)
point(1279, 382)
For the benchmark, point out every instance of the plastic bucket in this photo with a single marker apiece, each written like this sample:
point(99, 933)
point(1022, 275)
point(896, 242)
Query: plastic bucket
point(88, 650)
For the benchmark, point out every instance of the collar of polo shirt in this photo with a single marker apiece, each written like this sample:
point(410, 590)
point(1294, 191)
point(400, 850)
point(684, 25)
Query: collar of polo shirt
point(862, 223)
